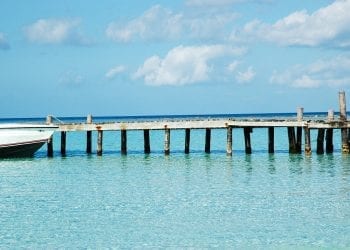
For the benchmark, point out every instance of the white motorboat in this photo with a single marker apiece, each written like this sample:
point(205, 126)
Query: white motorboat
point(23, 140)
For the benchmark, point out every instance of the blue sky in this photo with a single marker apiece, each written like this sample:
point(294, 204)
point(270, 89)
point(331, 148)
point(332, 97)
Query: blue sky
point(73, 58)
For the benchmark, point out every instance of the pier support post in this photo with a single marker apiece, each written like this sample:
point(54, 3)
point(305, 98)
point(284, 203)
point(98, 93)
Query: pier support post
point(167, 141)
point(344, 131)
point(99, 142)
point(292, 140)
point(50, 147)
point(248, 146)
point(329, 133)
point(330, 115)
point(299, 139)
point(307, 141)
point(207, 140)
point(49, 119)
point(147, 147)
point(329, 141)
point(187, 140)
point(63, 143)
point(88, 136)
point(271, 143)
point(320, 141)
point(229, 141)
point(300, 114)
point(123, 142)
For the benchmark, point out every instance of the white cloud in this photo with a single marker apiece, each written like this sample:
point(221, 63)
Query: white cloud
point(183, 65)
point(71, 78)
point(218, 3)
point(233, 66)
point(112, 73)
point(3, 43)
point(246, 76)
point(55, 31)
point(159, 23)
point(211, 2)
point(331, 72)
point(327, 26)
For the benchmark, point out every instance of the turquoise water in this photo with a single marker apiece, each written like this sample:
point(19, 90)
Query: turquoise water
point(178, 201)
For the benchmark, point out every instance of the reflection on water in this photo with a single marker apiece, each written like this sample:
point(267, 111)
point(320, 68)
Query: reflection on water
point(177, 201)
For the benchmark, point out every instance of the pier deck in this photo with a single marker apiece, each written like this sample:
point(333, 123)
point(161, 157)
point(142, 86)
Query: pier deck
point(200, 124)
point(295, 128)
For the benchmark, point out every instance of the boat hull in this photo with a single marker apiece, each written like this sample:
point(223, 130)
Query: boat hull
point(23, 140)
point(25, 149)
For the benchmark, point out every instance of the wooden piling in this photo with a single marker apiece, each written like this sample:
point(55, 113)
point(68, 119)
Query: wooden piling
point(49, 119)
point(342, 118)
point(299, 139)
point(330, 115)
point(89, 136)
point(50, 147)
point(292, 140)
point(123, 142)
point(147, 147)
point(99, 142)
point(207, 140)
point(248, 146)
point(320, 141)
point(63, 143)
point(89, 142)
point(271, 143)
point(329, 133)
point(329, 141)
point(307, 141)
point(229, 141)
point(300, 114)
point(167, 141)
point(187, 140)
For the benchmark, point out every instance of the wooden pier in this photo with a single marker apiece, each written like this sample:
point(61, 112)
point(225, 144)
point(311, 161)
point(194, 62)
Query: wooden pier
point(294, 127)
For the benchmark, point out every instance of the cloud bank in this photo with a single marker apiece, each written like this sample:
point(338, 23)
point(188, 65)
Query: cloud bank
point(4, 45)
point(55, 31)
point(112, 73)
point(184, 65)
point(333, 72)
point(328, 26)
point(159, 23)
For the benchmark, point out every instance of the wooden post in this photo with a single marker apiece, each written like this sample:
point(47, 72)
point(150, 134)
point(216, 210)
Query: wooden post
point(248, 146)
point(187, 140)
point(147, 146)
point(292, 140)
point(99, 142)
point(63, 143)
point(123, 142)
point(329, 141)
point(300, 114)
point(330, 115)
point(88, 142)
point(320, 141)
point(271, 135)
point(299, 139)
point(329, 133)
point(307, 141)
point(229, 141)
point(344, 131)
point(50, 147)
point(167, 142)
point(89, 136)
point(207, 140)
point(49, 119)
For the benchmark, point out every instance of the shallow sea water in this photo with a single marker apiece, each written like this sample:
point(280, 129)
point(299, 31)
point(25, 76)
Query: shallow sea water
point(178, 201)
